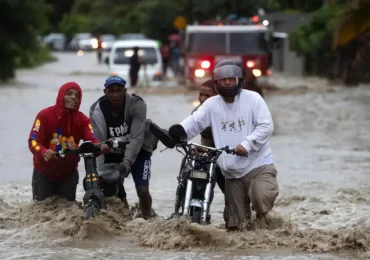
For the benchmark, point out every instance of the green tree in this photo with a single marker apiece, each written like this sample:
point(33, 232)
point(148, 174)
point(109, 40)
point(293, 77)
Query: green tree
point(353, 32)
point(313, 39)
point(158, 23)
point(74, 23)
point(102, 16)
point(57, 10)
point(20, 24)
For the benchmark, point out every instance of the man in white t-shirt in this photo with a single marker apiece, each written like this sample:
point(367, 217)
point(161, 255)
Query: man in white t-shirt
point(241, 119)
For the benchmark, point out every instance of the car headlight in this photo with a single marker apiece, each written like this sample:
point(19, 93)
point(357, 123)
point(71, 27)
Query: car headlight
point(199, 73)
point(257, 73)
point(94, 43)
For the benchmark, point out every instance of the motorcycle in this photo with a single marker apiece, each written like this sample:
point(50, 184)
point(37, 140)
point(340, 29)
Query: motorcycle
point(197, 173)
point(94, 199)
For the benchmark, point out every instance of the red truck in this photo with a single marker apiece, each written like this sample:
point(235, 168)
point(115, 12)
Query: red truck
point(206, 45)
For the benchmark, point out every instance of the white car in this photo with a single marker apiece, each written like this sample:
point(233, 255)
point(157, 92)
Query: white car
point(82, 41)
point(108, 40)
point(119, 61)
point(56, 41)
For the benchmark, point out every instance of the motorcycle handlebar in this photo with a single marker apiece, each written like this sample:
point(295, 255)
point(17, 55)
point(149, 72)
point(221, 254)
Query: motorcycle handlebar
point(226, 149)
point(117, 143)
point(88, 147)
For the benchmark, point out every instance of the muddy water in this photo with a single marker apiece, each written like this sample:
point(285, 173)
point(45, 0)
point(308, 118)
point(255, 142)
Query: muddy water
point(321, 147)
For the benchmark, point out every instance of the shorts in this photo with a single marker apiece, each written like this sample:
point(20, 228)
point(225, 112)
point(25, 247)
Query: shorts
point(140, 170)
point(43, 188)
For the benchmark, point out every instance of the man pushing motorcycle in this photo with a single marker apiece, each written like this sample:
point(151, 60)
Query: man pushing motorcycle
point(241, 119)
point(118, 114)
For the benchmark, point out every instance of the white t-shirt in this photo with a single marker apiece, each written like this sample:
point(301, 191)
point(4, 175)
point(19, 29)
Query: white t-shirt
point(246, 121)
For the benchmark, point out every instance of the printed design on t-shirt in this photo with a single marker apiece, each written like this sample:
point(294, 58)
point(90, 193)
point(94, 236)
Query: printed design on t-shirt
point(121, 130)
point(229, 125)
point(118, 131)
point(60, 142)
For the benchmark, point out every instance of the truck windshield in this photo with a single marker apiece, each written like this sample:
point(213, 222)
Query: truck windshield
point(248, 43)
point(239, 43)
point(207, 42)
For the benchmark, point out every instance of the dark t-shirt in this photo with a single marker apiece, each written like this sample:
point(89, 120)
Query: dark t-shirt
point(134, 64)
point(116, 127)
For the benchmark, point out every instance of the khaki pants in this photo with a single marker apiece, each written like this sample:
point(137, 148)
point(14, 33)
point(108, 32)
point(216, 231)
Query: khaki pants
point(258, 187)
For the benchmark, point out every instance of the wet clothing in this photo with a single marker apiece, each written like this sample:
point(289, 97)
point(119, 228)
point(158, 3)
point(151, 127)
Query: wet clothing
point(116, 127)
point(259, 188)
point(43, 188)
point(134, 125)
point(206, 133)
point(58, 128)
point(207, 140)
point(246, 121)
point(140, 170)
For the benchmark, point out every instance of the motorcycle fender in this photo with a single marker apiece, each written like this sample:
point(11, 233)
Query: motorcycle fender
point(196, 203)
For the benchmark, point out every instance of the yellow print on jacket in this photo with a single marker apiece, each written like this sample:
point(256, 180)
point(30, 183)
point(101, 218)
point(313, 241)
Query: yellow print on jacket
point(60, 142)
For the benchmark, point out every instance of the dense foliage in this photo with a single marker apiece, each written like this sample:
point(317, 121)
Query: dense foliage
point(337, 31)
point(20, 24)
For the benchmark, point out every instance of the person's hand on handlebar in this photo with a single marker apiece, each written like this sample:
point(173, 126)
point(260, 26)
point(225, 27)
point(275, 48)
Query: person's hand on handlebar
point(197, 150)
point(49, 154)
point(240, 150)
point(106, 149)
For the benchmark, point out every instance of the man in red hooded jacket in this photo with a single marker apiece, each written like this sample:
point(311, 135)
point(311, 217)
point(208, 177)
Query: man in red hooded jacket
point(56, 128)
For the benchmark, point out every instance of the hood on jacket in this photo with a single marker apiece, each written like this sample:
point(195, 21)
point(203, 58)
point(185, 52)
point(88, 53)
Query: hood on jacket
point(61, 110)
point(60, 98)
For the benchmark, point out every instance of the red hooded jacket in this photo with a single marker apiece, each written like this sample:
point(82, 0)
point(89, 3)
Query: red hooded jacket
point(58, 128)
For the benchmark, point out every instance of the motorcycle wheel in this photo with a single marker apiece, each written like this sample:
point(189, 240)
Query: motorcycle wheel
point(90, 212)
point(195, 218)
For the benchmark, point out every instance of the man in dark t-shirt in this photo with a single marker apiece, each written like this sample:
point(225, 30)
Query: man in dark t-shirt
point(134, 67)
point(120, 115)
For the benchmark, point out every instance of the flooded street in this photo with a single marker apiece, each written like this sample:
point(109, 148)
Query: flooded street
point(321, 148)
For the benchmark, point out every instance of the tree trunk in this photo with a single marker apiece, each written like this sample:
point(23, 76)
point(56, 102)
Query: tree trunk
point(352, 75)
